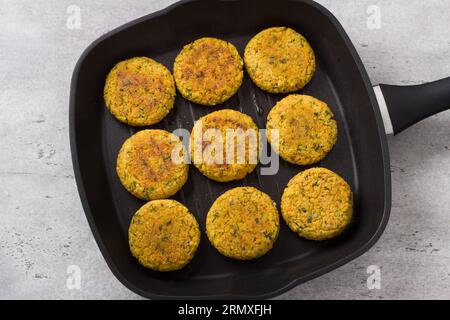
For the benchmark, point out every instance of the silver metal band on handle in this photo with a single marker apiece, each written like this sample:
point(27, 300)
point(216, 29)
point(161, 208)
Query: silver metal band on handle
point(384, 111)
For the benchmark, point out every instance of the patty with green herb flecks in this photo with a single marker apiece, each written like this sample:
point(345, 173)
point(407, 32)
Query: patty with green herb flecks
point(208, 71)
point(317, 204)
point(139, 91)
point(146, 168)
point(301, 129)
point(243, 223)
point(279, 60)
point(238, 137)
point(163, 235)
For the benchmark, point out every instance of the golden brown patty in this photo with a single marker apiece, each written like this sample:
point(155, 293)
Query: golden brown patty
point(243, 223)
point(163, 235)
point(139, 91)
point(279, 60)
point(306, 129)
point(208, 71)
point(146, 168)
point(245, 141)
point(317, 204)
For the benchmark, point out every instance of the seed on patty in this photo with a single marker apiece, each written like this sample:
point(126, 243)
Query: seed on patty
point(317, 204)
point(279, 60)
point(243, 223)
point(224, 145)
point(208, 71)
point(301, 129)
point(163, 235)
point(139, 91)
point(152, 164)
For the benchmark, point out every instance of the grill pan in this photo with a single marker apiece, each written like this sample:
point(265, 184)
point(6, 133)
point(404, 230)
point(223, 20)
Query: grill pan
point(363, 115)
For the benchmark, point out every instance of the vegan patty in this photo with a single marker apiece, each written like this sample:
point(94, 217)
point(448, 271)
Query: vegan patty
point(219, 132)
point(146, 168)
point(243, 223)
point(139, 91)
point(279, 60)
point(317, 204)
point(163, 235)
point(208, 71)
point(306, 129)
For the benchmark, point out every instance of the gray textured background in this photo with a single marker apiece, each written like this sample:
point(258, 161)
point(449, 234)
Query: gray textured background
point(43, 229)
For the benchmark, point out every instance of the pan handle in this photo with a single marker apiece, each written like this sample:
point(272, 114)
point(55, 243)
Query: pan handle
point(403, 106)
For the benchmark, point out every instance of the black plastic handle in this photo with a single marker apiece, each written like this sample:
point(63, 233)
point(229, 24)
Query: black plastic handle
point(408, 105)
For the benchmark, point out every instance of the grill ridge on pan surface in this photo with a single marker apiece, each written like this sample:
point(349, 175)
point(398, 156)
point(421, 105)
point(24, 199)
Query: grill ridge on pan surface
point(360, 154)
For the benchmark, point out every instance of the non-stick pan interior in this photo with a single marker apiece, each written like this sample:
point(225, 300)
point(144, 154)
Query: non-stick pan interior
point(359, 155)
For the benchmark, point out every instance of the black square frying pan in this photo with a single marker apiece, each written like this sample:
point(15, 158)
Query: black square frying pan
point(364, 115)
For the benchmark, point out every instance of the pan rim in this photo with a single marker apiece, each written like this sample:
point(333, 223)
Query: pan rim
point(297, 281)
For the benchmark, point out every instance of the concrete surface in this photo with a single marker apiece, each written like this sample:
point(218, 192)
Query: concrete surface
point(43, 229)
